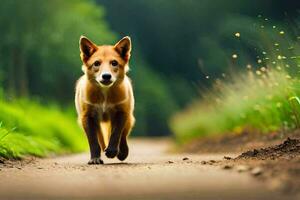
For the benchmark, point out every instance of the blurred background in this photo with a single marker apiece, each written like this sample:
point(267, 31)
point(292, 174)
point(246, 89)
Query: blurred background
point(187, 58)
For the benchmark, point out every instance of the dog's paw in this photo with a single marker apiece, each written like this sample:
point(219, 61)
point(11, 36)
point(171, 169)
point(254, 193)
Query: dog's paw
point(95, 161)
point(123, 153)
point(111, 152)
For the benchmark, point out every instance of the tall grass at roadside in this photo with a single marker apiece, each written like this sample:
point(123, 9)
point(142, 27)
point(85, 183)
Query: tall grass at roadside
point(249, 101)
point(264, 98)
point(28, 128)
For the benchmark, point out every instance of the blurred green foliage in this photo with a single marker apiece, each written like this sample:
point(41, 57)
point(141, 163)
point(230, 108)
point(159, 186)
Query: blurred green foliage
point(29, 128)
point(249, 103)
point(262, 99)
point(154, 104)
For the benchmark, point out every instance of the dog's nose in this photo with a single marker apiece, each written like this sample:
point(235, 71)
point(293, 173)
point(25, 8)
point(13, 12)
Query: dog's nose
point(106, 76)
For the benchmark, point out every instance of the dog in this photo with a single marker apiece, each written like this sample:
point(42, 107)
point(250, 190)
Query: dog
point(104, 98)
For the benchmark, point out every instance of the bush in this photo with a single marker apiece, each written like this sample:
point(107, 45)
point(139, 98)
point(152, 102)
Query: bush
point(32, 129)
point(249, 101)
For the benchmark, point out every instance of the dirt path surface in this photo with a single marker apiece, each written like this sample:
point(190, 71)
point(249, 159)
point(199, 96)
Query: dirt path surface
point(150, 172)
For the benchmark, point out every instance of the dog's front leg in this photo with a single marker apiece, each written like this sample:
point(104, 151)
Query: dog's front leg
point(118, 122)
point(91, 126)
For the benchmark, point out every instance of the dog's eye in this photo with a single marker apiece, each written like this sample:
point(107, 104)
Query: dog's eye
point(114, 63)
point(97, 63)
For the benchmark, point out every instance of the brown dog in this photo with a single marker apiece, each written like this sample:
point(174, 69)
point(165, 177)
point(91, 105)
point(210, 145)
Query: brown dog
point(104, 94)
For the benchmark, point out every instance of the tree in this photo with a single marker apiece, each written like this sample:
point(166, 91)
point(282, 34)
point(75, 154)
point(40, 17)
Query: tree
point(40, 44)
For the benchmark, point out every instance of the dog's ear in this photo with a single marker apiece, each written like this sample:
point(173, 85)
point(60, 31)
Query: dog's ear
point(87, 48)
point(123, 47)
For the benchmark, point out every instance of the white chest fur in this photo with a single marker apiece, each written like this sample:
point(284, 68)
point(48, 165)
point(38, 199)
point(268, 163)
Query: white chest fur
point(104, 106)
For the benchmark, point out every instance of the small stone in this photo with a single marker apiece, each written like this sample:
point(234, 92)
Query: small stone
point(227, 167)
point(40, 168)
point(242, 168)
point(19, 168)
point(256, 171)
point(212, 161)
point(170, 162)
point(185, 158)
point(203, 162)
point(227, 158)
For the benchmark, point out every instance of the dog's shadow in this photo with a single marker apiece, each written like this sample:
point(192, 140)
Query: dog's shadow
point(125, 164)
point(119, 163)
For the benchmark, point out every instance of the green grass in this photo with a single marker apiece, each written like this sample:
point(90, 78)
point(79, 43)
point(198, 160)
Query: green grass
point(249, 101)
point(28, 128)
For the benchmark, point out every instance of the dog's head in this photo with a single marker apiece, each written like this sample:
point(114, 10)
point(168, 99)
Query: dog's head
point(105, 65)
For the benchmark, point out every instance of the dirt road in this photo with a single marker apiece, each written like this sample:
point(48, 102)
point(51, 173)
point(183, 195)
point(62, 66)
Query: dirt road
point(149, 173)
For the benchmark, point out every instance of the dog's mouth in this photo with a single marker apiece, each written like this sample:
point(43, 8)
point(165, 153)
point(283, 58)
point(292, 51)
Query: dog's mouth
point(106, 82)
